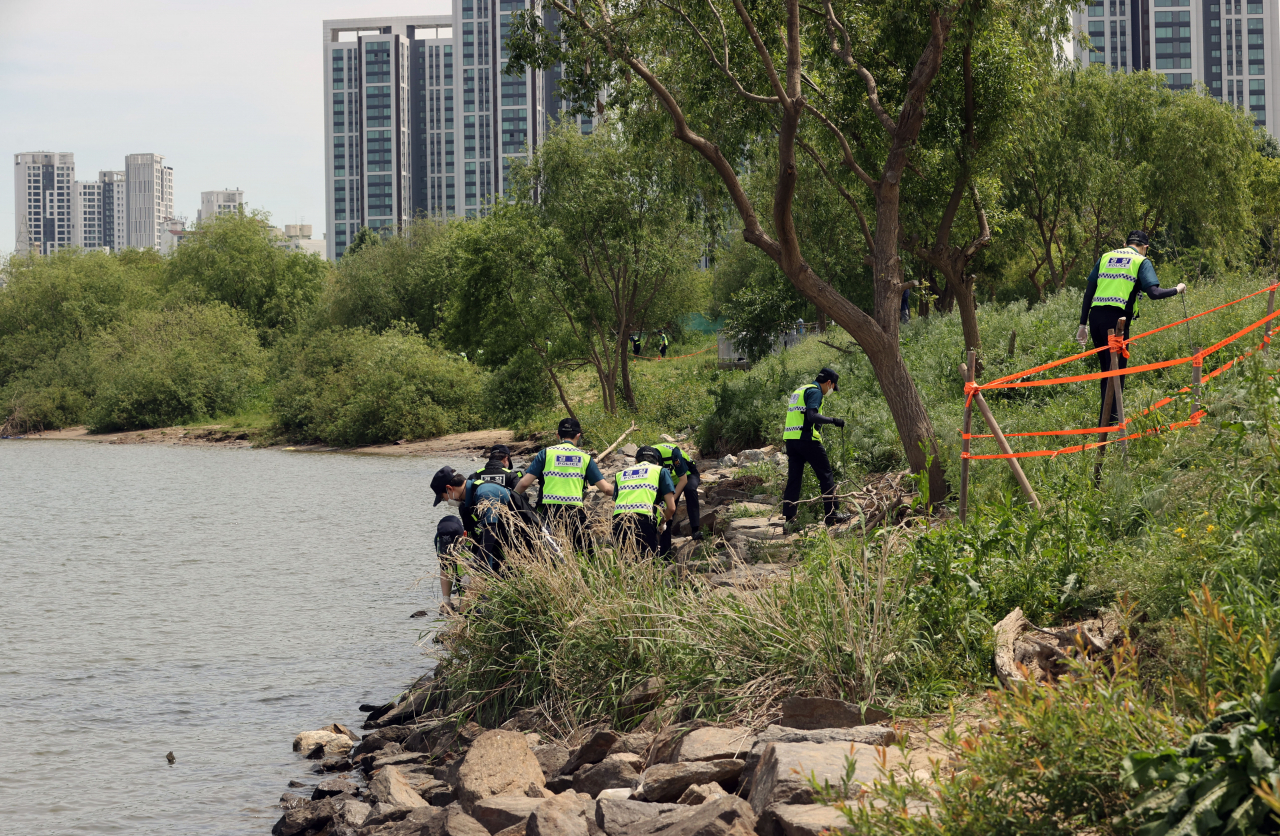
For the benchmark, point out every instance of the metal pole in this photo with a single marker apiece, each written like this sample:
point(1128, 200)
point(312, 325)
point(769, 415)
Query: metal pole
point(1119, 387)
point(967, 374)
point(1195, 381)
point(1003, 444)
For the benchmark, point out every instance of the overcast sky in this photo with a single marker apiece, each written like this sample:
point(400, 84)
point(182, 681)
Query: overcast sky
point(229, 91)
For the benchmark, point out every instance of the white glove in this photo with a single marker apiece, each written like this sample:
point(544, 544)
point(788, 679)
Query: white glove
point(1082, 334)
point(1181, 288)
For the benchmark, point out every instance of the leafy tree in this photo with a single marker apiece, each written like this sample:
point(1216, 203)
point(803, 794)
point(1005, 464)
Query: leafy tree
point(362, 240)
point(404, 278)
point(840, 81)
point(234, 259)
point(624, 250)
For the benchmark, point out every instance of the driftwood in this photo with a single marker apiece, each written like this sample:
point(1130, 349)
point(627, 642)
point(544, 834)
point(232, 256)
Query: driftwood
point(1027, 652)
point(615, 444)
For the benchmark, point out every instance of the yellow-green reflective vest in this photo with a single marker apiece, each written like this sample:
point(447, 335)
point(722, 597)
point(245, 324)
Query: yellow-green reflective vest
point(795, 413)
point(564, 475)
point(635, 489)
point(1117, 276)
point(667, 451)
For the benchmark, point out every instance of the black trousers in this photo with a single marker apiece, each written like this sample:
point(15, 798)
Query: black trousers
point(638, 531)
point(695, 510)
point(571, 521)
point(1101, 319)
point(812, 453)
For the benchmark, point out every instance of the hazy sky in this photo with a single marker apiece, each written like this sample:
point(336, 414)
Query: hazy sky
point(229, 91)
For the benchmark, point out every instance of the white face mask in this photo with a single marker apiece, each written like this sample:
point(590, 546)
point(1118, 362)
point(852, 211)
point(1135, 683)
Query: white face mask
point(453, 503)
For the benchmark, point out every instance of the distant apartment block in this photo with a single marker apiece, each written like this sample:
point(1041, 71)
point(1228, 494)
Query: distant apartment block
point(54, 211)
point(148, 199)
point(213, 204)
point(44, 201)
point(421, 117)
point(1230, 47)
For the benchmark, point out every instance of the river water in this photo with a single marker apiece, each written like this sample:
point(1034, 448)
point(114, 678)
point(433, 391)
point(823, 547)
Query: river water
point(206, 601)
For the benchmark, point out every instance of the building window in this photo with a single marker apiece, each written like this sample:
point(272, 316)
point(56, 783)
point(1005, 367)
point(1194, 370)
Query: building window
point(378, 107)
point(377, 62)
point(448, 154)
point(469, 184)
point(1097, 37)
point(1096, 9)
point(468, 9)
point(1255, 8)
point(468, 44)
point(513, 91)
point(515, 130)
point(1115, 47)
point(469, 137)
point(468, 91)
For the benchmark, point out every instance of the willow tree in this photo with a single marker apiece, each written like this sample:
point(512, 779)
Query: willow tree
point(844, 83)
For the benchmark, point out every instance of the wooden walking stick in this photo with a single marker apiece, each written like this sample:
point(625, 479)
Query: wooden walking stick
point(1003, 443)
point(964, 440)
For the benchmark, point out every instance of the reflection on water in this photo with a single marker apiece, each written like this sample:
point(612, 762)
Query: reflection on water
point(205, 601)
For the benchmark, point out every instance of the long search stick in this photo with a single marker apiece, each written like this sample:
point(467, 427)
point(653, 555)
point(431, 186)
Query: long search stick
point(615, 444)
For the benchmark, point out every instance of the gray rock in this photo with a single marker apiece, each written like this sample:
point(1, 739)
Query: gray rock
point(824, 713)
point(381, 814)
point(633, 817)
point(423, 820)
point(352, 813)
point(614, 771)
point(668, 781)
point(441, 797)
point(333, 744)
point(501, 811)
point(727, 815)
point(617, 793)
point(729, 461)
point(418, 705)
point(291, 799)
point(389, 786)
point(701, 793)
point(714, 743)
point(783, 774)
point(564, 815)
point(629, 449)
point(560, 783)
point(667, 742)
point(459, 823)
point(551, 757)
point(334, 786)
point(593, 751)
point(303, 817)
point(517, 829)
point(498, 763)
point(399, 759)
point(636, 743)
point(866, 735)
point(800, 820)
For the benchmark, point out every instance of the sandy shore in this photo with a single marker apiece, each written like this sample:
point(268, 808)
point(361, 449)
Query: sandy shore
point(216, 435)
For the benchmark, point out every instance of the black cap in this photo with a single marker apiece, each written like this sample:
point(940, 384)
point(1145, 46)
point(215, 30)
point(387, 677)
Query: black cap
point(828, 374)
point(649, 454)
point(500, 451)
point(1138, 237)
point(441, 481)
point(450, 526)
point(568, 428)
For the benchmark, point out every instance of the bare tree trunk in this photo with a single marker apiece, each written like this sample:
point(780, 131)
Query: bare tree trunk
point(968, 313)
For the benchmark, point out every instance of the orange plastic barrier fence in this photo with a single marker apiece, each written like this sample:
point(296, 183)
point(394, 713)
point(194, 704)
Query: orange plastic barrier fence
point(1119, 344)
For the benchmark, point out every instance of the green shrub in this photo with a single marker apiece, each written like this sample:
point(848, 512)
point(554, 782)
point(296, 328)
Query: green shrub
point(518, 390)
point(351, 386)
point(159, 368)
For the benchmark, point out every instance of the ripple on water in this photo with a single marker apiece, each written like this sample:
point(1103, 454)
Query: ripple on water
point(209, 602)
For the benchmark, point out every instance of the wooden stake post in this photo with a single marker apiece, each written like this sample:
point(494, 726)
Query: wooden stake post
point(964, 440)
point(1001, 442)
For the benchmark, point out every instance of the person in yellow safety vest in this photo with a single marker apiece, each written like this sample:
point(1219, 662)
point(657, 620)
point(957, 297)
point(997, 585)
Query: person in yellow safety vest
point(563, 473)
point(804, 446)
point(1117, 279)
point(685, 471)
point(638, 493)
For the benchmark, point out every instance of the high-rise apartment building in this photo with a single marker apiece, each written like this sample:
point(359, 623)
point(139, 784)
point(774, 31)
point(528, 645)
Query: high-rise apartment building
point(1229, 46)
point(213, 204)
point(44, 201)
point(148, 199)
point(421, 117)
point(99, 212)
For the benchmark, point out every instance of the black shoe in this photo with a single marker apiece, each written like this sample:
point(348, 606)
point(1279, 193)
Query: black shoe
point(839, 518)
point(697, 537)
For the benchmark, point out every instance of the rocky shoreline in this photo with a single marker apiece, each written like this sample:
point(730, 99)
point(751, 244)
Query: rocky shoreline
point(416, 772)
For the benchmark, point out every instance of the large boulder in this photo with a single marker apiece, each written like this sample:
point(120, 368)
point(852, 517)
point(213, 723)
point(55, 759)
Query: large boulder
point(502, 811)
point(551, 757)
point(701, 793)
point(714, 743)
point(668, 781)
point(498, 763)
point(785, 770)
point(636, 743)
point(612, 772)
point(389, 786)
point(423, 820)
point(458, 823)
point(866, 735)
point(824, 713)
point(334, 786)
point(334, 744)
point(564, 815)
point(311, 815)
point(666, 743)
point(800, 820)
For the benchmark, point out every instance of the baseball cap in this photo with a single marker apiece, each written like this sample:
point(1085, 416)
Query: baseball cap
point(499, 451)
point(569, 427)
point(1138, 237)
point(649, 454)
point(828, 374)
point(439, 482)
